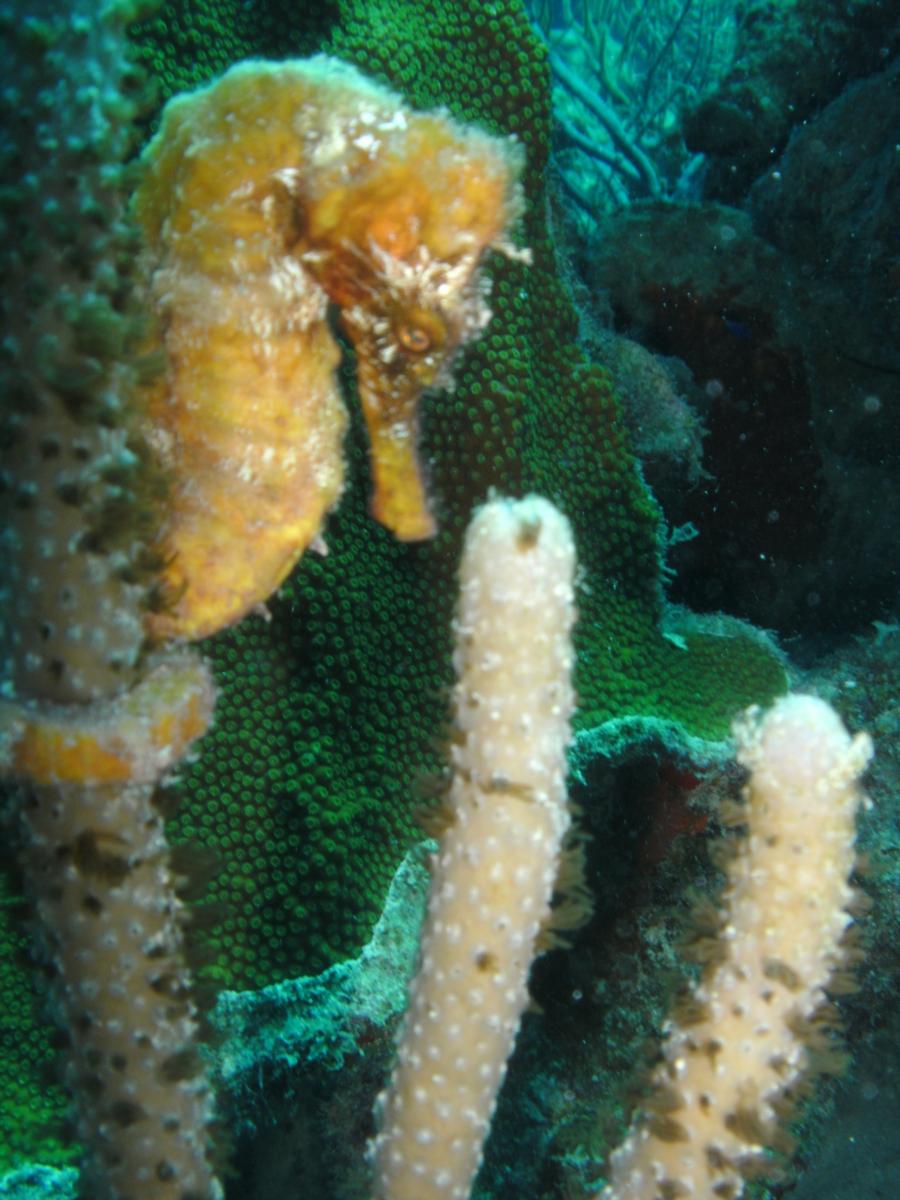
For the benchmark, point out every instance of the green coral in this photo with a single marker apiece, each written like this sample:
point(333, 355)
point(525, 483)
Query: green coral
point(67, 376)
point(327, 736)
point(188, 42)
point(309, 782)
point(32, 1113)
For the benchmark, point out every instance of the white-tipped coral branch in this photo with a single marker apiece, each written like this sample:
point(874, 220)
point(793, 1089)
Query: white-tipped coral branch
point(494, 873)
point(733, 1061)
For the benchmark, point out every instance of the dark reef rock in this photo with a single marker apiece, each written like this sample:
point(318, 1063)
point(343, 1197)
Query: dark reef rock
point(797, 507)
point(793, 57)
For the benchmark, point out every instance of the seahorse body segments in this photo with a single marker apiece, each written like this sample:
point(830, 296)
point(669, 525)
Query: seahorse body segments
point(277, 190)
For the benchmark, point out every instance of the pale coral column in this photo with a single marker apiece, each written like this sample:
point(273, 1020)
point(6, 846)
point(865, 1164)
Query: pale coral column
point(738, 1051)
point(495, 870)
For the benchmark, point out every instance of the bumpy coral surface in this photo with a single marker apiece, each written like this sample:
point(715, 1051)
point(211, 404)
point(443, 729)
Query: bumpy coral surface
point(32, 1113)
point(76, 486)
point(308, 784)
point(326, 725)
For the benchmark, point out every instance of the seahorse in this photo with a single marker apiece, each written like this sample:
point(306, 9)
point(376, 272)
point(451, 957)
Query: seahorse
point(269, 198)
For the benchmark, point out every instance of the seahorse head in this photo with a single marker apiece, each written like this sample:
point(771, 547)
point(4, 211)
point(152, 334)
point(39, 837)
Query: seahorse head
point(400, 250)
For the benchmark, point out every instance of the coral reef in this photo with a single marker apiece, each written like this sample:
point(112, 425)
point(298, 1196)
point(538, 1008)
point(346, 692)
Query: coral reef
point(792, 57)
point(836, 188)
point(72, 326)
point(751, 1029)
point(498, 858)
point(330, 702)
point(88, 736)
point(359, 639)
point(659, 405)
point(88, 724)
point(794, 392)
point(621, 78)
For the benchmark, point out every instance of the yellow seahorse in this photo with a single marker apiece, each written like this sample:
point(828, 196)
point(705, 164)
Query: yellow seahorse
point(274, 192)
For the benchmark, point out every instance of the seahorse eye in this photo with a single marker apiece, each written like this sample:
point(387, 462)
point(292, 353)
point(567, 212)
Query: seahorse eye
point(414, 338)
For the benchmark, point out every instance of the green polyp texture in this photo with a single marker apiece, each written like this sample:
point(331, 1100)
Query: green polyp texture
point(32, 1110)
point(330, 733)
point(330, 728)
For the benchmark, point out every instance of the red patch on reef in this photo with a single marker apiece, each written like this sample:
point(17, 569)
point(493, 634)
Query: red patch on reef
point(671, 815)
